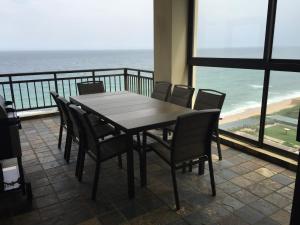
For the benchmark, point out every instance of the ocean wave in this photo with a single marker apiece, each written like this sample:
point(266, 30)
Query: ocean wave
point(237, 109)
point(256, 86)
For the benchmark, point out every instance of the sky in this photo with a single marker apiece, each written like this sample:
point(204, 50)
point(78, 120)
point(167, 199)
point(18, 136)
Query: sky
point(128, 24)
point(76, 24)
point(242, 23)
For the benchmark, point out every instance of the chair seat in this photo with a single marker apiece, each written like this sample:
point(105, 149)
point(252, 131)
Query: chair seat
point(113, 147)
point(161, 150)
point(94, 119)
point(102, 130)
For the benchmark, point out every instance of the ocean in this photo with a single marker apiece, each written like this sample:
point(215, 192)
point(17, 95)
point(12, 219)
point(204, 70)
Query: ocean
point(243, 87)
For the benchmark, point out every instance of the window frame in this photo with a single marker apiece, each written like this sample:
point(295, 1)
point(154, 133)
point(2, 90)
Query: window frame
point(267, 64)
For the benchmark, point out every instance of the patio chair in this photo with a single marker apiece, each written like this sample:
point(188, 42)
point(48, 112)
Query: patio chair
point(101, 130)
point(63, 118)
point(182, 95)
point(86, 88)
point(211, 99)
point(191, 141)
point(161, 90)
point(208, 99)
point(100, 151)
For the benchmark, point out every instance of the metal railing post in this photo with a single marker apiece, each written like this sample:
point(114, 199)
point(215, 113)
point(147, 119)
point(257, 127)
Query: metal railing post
point(94, 79)
point(125, 79)
point(55, 82)
point(139, 82)
point(11, 90)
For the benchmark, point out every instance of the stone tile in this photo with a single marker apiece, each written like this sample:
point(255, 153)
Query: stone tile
point(264, 207)
point(270, 184)
point(253, 176)
point(278, 200)
point(267, 221)
point(259, 190)
point(287, 192)
point(282, 179)
point(228, 187)
point(249, 215)
point(46, 201)
point(282, 217)
point(265, 172)
point(245, 196)
point(241, 181)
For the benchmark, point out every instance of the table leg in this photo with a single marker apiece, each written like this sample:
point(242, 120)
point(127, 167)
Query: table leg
point(143, 162)
point(201, 168)
point(130, 171)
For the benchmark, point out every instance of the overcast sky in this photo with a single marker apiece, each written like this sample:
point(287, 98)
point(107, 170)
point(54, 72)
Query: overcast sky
point(128, 24)
point(76, 24)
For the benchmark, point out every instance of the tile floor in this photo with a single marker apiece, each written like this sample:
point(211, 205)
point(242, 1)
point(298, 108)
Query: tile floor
point(249, 190)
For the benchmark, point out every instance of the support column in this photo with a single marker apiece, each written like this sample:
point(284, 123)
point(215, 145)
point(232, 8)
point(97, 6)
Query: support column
point(170, 40)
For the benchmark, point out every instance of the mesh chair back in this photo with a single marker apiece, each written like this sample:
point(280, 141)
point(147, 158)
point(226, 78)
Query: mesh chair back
point(182, 95)
point(90, 88)
point(3, 113)
point(86, 130)
point(71, 122)
point(209, 99)
point(161, 90)
point(54, 95)
point(193, 135)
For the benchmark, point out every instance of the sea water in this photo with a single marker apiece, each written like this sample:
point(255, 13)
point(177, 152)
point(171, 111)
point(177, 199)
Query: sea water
point(242, 86)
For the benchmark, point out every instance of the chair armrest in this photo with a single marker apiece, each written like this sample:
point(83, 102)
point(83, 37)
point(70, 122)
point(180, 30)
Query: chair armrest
point(8, 103)
point(9, 109)
point(158, 139)
point(111, 139)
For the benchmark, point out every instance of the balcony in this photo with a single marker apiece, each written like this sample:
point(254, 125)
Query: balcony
point(249, 190)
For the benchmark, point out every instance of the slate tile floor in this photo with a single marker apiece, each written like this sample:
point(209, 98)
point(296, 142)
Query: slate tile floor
point(249, 190)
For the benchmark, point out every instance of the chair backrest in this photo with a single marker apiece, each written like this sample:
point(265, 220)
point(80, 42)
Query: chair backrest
point(90, 88)
point(162, 90)
point(3, 113)
point(86, 131)
point(182, 95)
point(193, 135)
point(62, 115)
point(209, 99)
point(71, 122)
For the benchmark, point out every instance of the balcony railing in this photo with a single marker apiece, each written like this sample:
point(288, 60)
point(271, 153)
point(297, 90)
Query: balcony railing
point(30, 91)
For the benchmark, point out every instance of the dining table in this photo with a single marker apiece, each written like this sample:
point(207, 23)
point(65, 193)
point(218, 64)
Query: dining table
point(131, 113)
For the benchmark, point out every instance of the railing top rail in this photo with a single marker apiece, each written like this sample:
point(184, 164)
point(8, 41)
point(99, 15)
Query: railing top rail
point(70, 71)
point(145, 71)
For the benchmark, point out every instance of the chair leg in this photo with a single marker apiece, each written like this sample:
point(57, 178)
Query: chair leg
point(211, 174)
point(175, 187)
point(78, 161)
point(60, 135)
point(68, 147)
point(183, 167)
point(201, 167)
point(218, 145)
point(96, 179)
point(165, 134)
point(120, 162)
point(81, 165)
point(143, 162)
point(191, 166)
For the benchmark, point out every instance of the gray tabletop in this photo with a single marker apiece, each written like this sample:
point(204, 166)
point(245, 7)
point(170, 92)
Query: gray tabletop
point(130, 112)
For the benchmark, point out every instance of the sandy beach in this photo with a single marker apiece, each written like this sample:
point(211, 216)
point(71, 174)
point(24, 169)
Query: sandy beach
point(272, 108)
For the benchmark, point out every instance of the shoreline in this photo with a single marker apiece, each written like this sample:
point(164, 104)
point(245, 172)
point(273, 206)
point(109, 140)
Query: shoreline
point(255, 111)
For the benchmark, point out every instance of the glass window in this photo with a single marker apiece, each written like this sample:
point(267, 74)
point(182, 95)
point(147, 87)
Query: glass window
point(287, 30)
point(243, 89)
point(283, 110)
point(232, 29)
